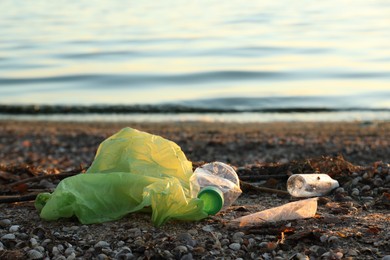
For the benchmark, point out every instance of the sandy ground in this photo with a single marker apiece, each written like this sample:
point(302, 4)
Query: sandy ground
point(351, 223)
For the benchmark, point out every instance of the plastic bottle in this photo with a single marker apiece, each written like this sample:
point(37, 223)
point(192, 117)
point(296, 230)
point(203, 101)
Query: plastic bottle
point(217, 184)
point(310, 185)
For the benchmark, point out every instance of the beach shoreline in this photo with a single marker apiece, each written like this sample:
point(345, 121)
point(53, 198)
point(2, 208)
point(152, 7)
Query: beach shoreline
point(347, 225)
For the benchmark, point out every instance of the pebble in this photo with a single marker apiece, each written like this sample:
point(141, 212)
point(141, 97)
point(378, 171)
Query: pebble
point(8, 237)
point(333, 240)
point(208, 228)
point(187, 257)
point(193, 232)
point(102, 244)
point(14, 228)
point(165, 254)
point(102, 257)
point(1, 246)
point(237, 237)
point(72, 256)
point(353, 252)
point(126, 253)
point(187, 239)
point(386, 257)
point(181, 249)
point(134, 232)
point(55, 251)
point(301, 256)
point(34, 254)
point(33, 242)
point(317, 250)
point(46, 242)
point(356, 180)
point(5, 222)
point(120, 243)
point(355, 192)
point(235, 246)
point(69, 251)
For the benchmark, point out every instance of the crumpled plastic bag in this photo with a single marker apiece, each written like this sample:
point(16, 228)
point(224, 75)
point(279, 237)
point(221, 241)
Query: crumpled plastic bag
point(294, 210)
point(132, 171)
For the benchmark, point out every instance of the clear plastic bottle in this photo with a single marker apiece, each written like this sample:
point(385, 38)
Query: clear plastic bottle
point(310, 185)
point(217, 184)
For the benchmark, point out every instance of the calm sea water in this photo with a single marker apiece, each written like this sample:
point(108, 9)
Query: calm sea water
point(251, 55)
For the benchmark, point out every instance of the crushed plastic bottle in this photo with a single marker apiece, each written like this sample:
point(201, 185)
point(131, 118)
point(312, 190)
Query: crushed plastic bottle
point(217, 184)
point(310, 185)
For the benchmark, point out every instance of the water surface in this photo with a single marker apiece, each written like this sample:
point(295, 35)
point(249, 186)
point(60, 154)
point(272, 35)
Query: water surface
point(252, 55)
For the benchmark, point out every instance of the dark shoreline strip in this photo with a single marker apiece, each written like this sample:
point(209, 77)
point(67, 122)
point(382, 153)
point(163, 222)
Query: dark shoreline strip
point(158, 109)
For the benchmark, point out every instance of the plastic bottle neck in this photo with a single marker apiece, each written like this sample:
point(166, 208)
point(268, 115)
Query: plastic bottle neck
point(212, 198)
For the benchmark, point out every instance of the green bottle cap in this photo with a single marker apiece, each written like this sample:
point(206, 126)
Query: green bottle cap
point(212, 199)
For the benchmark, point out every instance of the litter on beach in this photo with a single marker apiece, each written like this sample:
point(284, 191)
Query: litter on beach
point(294, 210)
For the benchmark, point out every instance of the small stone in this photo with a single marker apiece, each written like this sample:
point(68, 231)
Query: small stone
point(355, 192)
point(14, 228)
point(301, 256)
point(1, 246)
point(187, 257)
point(356, 180)
point(235, 246)
point(368, 198)
point(165, 254)
point(208, 228)
point(134, 232)
point(55, 251)
point(225, 242)
point(181, 249)
point(106, 250)
point(386, 257)
point(353, 252)
point(5, 222)
point(120, 243)
point(317, 250)
point(72, 256)
point(338, 255)
point(333, 240)
point(126, 253)
point(102, 244)
point(323, 238)
point(8, 237)
point(22, 236)
point(237, 237)
point(193, 232)
point(367, 176)
point(33, 242)
point(187, 239)
point(46, 242)
point(102, 257)
point(69, 251)
point(34, 254)
point(198, 250)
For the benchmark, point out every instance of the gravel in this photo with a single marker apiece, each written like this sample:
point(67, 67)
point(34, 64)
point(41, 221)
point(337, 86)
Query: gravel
point(351, 222)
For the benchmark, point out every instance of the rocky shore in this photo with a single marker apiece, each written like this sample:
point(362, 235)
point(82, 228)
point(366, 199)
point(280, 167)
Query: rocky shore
point(352, 222)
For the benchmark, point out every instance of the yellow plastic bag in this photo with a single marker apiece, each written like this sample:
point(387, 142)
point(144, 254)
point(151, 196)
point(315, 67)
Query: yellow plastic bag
point(132, 171)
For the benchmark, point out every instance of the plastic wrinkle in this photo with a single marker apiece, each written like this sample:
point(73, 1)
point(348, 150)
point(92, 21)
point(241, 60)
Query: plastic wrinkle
point(131, 170)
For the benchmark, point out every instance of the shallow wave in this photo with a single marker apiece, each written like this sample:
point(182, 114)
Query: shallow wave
point(129, 79)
